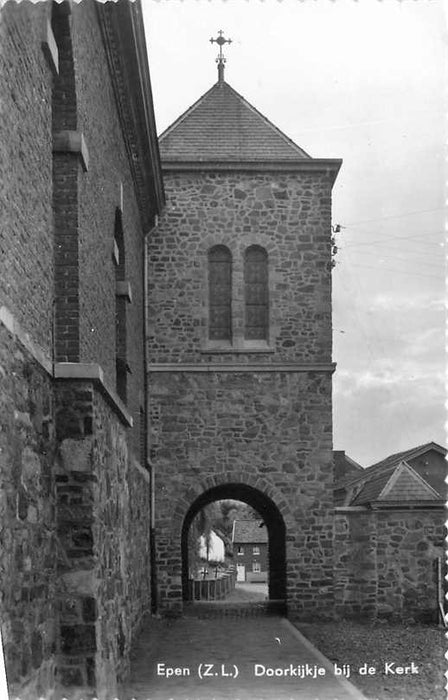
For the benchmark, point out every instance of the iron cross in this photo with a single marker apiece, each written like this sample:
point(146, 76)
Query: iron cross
point(220, 41)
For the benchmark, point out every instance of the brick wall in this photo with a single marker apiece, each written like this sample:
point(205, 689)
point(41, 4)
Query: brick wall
point(386, 562)
point(99, 196)
point(26, 237)
point(29, 547)
point(76, 542)
point(247, 557)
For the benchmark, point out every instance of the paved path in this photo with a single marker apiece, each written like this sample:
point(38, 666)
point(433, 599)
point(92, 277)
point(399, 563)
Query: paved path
point(245, 592)
point(239, 647)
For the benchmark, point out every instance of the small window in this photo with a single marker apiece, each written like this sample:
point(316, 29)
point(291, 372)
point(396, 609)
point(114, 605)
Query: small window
point(256, 293)
point(255, 551)
point(240, 551)
point(220, 293)
point(256, 568)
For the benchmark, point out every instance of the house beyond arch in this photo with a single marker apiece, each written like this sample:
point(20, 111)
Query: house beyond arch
point(272, 519)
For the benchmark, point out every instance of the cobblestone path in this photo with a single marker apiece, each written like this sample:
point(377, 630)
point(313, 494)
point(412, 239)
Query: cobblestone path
point(228, 653)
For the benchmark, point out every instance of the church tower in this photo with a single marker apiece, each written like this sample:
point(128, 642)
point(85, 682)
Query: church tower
point(239, 347)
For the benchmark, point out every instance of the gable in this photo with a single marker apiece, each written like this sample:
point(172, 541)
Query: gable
point(401, 484)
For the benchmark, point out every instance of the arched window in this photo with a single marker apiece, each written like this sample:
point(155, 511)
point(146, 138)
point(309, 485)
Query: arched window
point(220, 293)
point(256, 295)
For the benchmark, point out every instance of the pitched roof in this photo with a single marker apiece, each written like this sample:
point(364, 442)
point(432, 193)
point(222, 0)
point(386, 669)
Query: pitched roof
point(249, 532)
point(390, 461)
point(407, 454)
point(223, 126)
point(345, 467)
point(398, 484)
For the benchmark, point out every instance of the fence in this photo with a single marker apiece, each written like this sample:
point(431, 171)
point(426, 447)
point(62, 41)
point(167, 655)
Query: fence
point(212, 589)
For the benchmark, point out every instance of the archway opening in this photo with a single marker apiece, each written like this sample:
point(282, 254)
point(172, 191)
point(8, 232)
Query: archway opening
point(270, 519)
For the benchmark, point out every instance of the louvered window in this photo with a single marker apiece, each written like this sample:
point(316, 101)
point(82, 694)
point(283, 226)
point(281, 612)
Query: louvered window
point(220, 293)
point(256, 294)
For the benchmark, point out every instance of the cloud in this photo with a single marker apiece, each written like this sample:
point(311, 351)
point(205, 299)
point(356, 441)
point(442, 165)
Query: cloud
point(388, 374)
point(394, 302)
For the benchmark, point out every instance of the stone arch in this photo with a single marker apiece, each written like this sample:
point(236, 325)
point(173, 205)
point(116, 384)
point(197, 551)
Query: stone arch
point(222, 479)
point(265, 505)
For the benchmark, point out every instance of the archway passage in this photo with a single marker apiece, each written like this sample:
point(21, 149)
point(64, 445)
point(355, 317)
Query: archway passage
point(272, 519)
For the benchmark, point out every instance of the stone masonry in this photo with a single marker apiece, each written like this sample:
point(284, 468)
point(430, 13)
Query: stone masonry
point(247, 413)
point(29, 547)
point(386, 562)
point(78, 153)
point(287, 214)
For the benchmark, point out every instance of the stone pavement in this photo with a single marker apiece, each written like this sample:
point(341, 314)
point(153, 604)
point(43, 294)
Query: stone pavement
point(230, 659)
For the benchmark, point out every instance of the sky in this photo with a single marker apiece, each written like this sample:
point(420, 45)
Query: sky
point(365, 82)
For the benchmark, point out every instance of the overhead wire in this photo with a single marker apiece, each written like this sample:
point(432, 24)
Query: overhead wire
point(393, 216)
point(414, 261)
point(372, 323)
point(402, 272)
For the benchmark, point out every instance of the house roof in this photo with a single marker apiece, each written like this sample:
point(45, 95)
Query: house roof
point(223, 126)
point(389, 462)
point(249, 532)
point(407, 454)
point(398, 484)
point(345, 467)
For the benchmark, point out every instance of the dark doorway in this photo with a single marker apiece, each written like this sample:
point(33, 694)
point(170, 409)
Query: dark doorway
point(272, 519)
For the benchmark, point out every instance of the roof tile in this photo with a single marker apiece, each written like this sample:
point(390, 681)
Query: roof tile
point(249, 532)
point(223, 126)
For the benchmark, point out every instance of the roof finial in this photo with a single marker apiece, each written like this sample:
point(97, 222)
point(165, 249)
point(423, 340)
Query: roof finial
point(220, 59)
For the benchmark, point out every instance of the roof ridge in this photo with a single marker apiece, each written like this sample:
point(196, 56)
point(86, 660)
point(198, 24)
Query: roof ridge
point(412, 451)
point(189, 109)
point(286, 138)
point(223, 125)
point(389, 463)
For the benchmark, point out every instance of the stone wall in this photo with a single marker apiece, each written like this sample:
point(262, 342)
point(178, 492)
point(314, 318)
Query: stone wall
point(103, 520)
point(253, 412)
point(122, 544)
point(75, 546)
point(28, 541)
point(270, 430)
point(385, 562)
point(289, 215)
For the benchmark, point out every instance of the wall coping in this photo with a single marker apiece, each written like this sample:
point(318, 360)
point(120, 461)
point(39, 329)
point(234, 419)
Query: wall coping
point(329, 166)
point(351, 509)
point(124, 289)
point(92, 372)
point(240, 367)
point(67, 141)
point(16, 330)
point(396, 505)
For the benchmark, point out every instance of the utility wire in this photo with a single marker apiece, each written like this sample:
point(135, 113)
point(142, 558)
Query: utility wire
point(399, 238)
point(393, 247)
point(393, 216)
point(380, 257)
point(401, 272)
